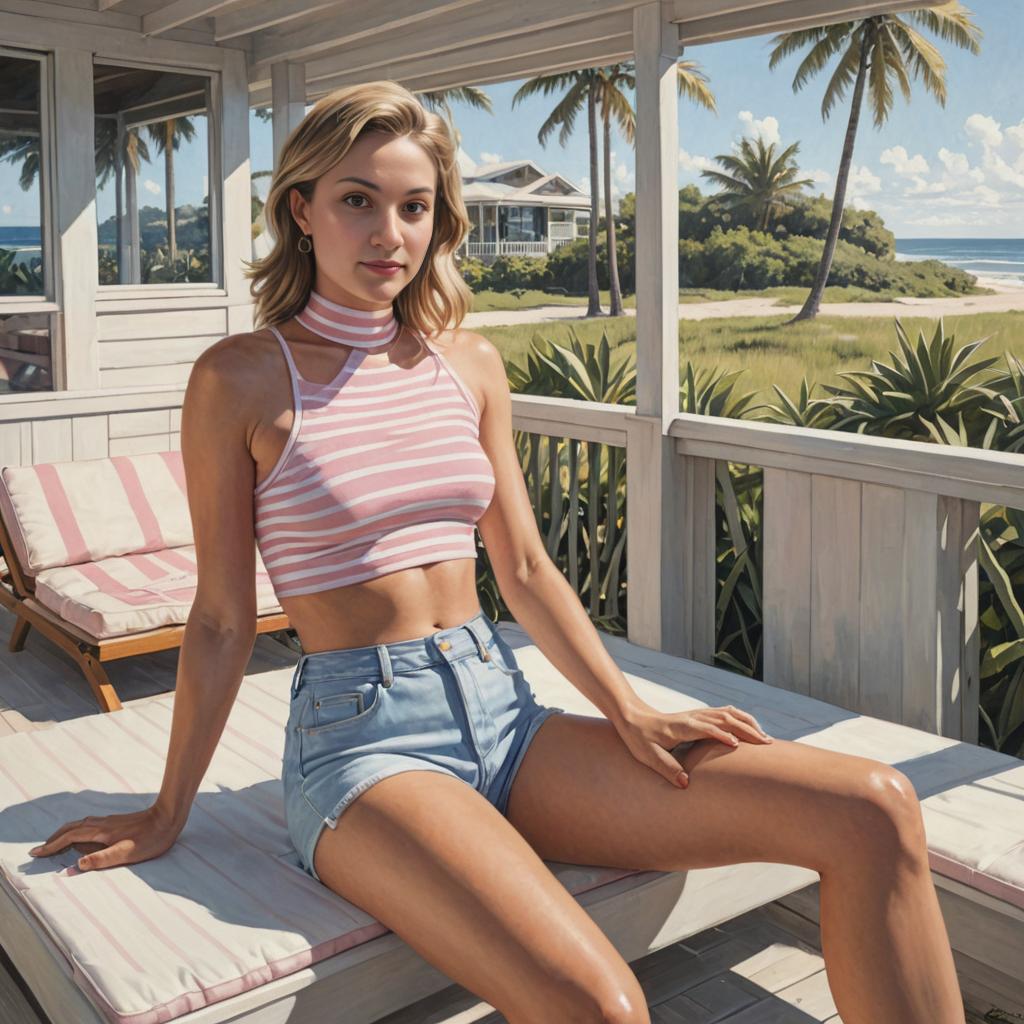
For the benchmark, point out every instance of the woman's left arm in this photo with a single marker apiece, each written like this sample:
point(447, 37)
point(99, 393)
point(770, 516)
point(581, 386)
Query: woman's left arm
point(550, 611)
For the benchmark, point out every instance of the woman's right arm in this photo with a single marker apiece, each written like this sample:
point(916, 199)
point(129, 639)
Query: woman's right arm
point(221, 627)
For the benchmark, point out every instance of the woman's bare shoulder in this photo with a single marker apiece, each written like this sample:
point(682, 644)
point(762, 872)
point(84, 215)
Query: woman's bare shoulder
point(238, 365)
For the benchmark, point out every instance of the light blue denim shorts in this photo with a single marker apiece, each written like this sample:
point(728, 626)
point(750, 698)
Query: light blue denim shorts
point(454, 702)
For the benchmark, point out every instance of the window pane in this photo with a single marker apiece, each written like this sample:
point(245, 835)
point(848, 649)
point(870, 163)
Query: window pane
point(152, 173)
point(21, 252)
point(25, 353)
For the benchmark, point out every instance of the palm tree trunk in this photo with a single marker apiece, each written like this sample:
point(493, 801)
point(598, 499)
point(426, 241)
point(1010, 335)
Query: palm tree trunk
point(593, 295)
point(810, 307)
point(615, 307)
point(172, 240)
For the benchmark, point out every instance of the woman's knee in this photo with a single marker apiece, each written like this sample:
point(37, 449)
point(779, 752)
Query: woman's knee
point(892, 824)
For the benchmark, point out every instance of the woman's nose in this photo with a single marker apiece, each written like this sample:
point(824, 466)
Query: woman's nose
point(388, 233)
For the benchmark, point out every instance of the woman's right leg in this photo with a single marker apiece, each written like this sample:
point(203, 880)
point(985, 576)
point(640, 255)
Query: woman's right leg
point(429, 857)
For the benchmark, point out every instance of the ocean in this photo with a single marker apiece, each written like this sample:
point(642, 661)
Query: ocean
point(999, 258)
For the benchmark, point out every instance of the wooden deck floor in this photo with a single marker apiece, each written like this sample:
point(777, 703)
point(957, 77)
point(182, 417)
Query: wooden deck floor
point(762, 968)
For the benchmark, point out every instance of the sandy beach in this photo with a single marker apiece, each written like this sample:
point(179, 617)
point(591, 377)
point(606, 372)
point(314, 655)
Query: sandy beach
point(1008, 298)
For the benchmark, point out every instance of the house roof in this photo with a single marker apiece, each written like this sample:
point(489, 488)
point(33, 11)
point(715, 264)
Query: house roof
point(484, 184)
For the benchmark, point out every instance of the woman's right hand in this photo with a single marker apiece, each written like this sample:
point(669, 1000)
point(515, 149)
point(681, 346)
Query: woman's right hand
point(118, 838)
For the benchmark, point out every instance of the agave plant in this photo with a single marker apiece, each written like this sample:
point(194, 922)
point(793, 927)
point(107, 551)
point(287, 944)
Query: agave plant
point(578, 488)
point(1004, 396)
point(20, 278)
point(923, 382)
point(817, 413)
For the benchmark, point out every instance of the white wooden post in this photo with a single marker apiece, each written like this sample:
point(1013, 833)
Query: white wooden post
point(288, 100)
point(76, 366)
point(656, 476)
point(231, 117)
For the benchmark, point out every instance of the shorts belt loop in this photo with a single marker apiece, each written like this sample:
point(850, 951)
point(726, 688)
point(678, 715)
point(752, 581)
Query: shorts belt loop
point(480, 645)
point(297, 675)
point(385, 664)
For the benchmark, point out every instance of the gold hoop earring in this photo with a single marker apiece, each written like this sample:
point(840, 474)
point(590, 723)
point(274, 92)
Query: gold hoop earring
point(308, 247)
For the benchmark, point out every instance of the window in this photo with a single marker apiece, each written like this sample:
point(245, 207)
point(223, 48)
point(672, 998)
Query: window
point(25, 350)
point(21, 166)
point(152, 176)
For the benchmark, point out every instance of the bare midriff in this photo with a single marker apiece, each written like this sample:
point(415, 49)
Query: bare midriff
point(402, 605)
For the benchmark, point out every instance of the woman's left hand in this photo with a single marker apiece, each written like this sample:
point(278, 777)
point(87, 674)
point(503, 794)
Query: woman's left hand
point(650, 734)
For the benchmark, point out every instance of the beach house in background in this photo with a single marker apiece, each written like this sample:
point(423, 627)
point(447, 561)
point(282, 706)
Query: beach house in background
point(517, 209)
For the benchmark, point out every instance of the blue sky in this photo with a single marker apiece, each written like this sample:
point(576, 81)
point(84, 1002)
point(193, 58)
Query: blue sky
point(931, 171)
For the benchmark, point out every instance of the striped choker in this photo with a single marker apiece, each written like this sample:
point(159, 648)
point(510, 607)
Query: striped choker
point(359, 328)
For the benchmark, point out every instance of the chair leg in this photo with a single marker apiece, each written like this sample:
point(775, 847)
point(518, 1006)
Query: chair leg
point(103, 690)
point(18, 634)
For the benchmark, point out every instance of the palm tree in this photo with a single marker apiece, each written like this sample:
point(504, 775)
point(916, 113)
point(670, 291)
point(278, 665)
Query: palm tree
point(167, 136)
point(758, 181)
point(872, 53)
point(580, 86)
point(439, 101)
point(111, 162)
point(603, 88)
point(692, 83)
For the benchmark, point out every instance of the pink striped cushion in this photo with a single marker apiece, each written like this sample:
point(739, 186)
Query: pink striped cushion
point(130, 593)
point(66, 513)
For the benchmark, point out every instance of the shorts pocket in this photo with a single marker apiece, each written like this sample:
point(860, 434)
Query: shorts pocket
point(501, 656)
point(341, 704)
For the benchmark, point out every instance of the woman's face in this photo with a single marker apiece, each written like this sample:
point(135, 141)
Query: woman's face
point(373, 210)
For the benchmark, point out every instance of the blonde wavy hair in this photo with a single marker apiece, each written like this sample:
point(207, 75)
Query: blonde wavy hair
point(437, 297)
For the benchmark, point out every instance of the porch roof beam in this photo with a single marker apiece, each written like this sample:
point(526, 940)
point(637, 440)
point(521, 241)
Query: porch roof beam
point(699, 22)
point(445, 30)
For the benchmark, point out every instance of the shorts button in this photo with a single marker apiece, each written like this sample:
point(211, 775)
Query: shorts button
point(444, 645)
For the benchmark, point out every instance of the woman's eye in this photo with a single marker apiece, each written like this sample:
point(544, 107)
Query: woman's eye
point(347, 198)
point(423, 206)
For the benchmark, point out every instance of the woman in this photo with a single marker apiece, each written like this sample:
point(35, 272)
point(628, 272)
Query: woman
point(360, 456)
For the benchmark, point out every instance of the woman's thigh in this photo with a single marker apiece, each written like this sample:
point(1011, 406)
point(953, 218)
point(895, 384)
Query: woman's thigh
point(580, 796)
point(435, 862)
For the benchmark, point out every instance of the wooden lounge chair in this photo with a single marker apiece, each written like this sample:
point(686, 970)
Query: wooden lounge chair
point(226, 927)
point(100, 559)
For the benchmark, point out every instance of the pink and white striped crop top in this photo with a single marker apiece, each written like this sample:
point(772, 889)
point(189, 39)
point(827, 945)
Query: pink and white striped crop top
point(382, 470)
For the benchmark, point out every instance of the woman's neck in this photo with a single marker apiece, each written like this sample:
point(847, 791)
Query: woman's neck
point(357, 328)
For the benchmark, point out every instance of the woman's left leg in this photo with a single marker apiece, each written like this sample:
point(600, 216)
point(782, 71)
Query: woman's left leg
point(581, 797)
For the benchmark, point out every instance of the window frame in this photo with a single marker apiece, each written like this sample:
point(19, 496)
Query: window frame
point(173, 289)
point(47, 302)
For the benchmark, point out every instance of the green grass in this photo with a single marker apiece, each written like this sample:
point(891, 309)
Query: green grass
point(772, 353)
point(489, 301)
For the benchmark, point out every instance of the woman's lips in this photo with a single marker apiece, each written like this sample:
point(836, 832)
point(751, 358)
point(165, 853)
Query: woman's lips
point(384, 270)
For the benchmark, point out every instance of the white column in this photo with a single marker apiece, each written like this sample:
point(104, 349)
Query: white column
point(660, 524)
point(288, 100)
point(76, 361)
point(232, 121)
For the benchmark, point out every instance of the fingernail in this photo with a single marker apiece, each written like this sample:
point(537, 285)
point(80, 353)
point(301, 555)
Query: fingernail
point(735, 742)
point(34, 851)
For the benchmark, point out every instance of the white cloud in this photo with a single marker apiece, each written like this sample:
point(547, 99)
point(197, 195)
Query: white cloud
point(694, 164)
point(151, 186)
point(863, 182)
point(902, 162)
point(491, 158)
point(767, 127)
point(7, 208)
point(979, 189)
point(818, 175)
point(984, 129)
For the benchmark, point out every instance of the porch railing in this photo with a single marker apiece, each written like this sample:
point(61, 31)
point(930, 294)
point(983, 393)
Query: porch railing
point(870, 553)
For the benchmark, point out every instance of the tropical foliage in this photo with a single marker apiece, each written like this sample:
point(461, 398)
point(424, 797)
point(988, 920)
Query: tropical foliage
point(757, 181)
